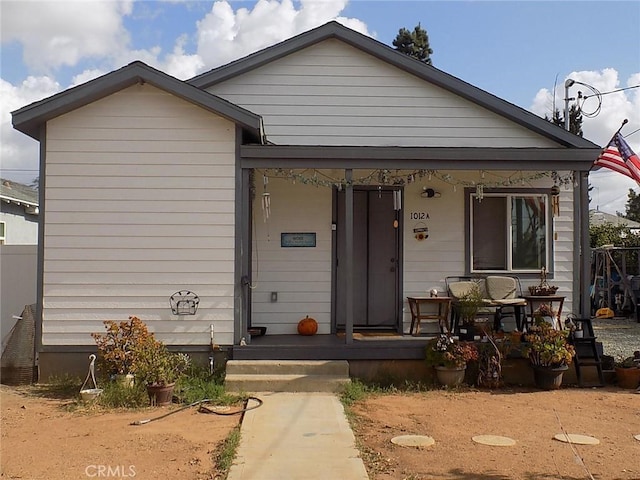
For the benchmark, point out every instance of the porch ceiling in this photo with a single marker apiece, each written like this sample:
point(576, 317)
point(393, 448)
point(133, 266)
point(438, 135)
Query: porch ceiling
point(463, 158)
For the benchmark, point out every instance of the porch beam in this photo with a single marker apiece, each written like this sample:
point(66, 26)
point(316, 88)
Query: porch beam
point(348, 230)
point(410, 158)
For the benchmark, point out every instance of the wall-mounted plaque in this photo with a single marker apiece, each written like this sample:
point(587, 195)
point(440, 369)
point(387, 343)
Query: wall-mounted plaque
point(298, 239)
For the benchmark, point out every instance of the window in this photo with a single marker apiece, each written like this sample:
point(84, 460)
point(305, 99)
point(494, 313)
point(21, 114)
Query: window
point(2, 234)
point(509, 232)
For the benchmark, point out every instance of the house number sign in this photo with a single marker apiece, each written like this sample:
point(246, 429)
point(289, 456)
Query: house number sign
point(418, 215)
point(298, 239)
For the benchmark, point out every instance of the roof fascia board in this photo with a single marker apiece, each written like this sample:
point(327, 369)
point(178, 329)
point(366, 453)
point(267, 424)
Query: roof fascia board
point(400, 60)
point(28, 119)
point(17, 201)
point(464, 158)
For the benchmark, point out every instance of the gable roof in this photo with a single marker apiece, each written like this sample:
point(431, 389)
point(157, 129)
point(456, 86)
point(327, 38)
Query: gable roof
point(29, 119)
point(400, 60)
point(597, 217)
point(14, 192)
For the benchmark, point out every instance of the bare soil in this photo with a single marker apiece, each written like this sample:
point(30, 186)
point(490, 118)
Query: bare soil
point(530, 417)
point(44, 438)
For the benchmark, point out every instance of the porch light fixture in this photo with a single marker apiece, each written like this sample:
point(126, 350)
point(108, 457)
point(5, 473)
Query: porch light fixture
point(429, 193)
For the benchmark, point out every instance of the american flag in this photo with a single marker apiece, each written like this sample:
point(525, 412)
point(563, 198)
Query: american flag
point(619, 157)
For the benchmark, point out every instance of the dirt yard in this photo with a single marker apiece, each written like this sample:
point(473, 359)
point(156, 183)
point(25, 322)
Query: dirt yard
point(43, 439)
point(530, 417)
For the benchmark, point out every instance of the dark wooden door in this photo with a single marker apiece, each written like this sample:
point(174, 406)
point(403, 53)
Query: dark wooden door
point(376, 260)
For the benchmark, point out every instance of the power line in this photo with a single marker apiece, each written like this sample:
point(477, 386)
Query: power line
point(612, 91)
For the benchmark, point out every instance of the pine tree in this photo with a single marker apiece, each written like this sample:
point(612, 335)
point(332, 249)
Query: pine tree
point(575, 120)
point(415, 44)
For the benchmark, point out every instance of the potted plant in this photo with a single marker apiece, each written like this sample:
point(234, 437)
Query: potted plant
point(467, 307)
point(491, 357)
point(549, 352)
point(449, 358)
point(543, 289)
point(116, 347)
point(159, 369)
point(628, 371)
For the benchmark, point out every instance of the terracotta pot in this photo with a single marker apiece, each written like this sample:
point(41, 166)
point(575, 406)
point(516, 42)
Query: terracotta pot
point(450, 376)
point(549, 378)
point(628, 377)
point(160, 395)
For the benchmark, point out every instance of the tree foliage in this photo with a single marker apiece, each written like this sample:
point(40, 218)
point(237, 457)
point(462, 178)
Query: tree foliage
point(611, 234)
point(575, 119)
point(632, 208)
point(415, 43)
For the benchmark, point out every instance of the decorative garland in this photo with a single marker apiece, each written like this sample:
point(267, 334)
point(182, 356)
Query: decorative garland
point(399, 178)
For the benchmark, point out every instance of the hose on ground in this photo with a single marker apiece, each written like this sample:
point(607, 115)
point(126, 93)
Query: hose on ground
point(201, 409)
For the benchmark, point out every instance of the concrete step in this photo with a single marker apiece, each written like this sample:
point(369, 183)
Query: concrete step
point(286, 367)
point(286, 375)
point(285, 383)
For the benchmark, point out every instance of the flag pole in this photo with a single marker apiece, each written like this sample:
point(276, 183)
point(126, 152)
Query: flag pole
point(624, 122)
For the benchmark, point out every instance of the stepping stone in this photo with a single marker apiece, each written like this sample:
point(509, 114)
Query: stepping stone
point(494, 440)
point(576, 439)
point(637, 437)
point(413, 441)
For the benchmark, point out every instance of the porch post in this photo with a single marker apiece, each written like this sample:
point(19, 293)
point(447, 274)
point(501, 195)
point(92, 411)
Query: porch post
point(348, 327)
point(582, 250)
point(585, 247)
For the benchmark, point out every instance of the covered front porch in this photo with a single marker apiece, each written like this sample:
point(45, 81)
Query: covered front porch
point(430, 191)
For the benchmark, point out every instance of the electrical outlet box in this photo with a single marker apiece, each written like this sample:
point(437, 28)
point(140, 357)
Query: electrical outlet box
point(274, 296)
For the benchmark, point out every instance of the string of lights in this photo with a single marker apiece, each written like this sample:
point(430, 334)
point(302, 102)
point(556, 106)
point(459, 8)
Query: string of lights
point(388, 177)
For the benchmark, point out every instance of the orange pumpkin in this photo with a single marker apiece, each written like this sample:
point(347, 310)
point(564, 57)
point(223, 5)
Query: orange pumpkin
point(307, 326)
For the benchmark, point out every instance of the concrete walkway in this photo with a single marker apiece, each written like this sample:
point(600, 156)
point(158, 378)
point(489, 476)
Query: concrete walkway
point(297, 436)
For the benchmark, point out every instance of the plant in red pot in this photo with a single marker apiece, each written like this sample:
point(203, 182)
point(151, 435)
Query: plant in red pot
point(159, 369)
point(307, 326)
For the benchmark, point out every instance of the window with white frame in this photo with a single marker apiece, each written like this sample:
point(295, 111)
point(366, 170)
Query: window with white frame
point(2, 233)
point(509, 232)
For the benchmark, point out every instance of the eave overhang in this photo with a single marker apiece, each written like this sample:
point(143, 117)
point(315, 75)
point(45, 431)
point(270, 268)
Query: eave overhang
point(410, 158)
point(30, 118)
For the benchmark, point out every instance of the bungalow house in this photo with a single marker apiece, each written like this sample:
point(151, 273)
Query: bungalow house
point(327, 175)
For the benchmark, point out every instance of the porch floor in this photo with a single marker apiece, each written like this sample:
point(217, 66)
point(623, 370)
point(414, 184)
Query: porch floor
point(333, 347)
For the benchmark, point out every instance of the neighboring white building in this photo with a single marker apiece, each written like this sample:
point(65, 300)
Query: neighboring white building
point(294, 182)
point(18, 214)
point(597, 217)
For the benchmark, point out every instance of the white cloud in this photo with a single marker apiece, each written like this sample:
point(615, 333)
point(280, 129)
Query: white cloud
point(610, 189)
point(57, 33)
point(224, 35)
point(19, 153)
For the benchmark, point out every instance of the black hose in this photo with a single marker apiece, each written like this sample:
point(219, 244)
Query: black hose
point(201, 409)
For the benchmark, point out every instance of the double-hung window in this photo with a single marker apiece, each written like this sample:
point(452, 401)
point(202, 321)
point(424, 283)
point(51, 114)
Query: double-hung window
point(509, 232)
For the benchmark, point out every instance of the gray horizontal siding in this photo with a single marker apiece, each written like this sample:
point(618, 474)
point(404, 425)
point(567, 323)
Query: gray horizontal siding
point(333, 94)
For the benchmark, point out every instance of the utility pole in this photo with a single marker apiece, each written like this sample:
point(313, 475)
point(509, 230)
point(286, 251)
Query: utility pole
point(568, 83)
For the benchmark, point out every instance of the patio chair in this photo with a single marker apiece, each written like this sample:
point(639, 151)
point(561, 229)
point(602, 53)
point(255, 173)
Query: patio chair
point(505, 293)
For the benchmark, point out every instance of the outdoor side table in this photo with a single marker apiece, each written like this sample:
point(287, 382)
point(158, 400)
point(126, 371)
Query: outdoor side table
point(555, 302)
point(418, 305)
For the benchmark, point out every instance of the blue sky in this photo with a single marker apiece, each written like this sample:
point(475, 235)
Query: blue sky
point(515, 50)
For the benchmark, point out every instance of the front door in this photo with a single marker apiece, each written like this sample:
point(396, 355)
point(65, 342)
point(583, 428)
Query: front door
point(376, 259)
